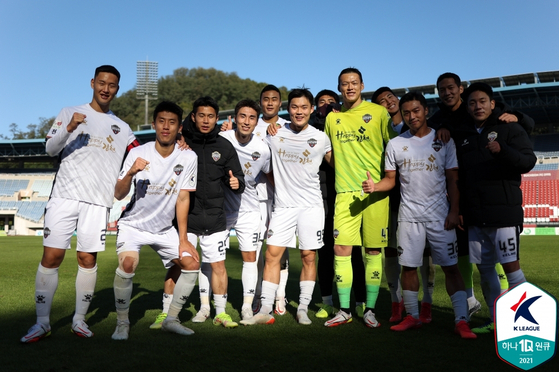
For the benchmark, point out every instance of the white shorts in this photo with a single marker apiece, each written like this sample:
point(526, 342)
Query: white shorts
point(166, 244)
point(247, 226)
point(307, 223)
point(411, 239)
point(212, 246)
point(489, 245)
point(64, 216)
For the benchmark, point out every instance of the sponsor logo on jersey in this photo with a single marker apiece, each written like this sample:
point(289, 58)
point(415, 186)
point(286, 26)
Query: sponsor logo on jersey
point(405, 148)
point(216, 155)
point(192, 181)
point(492, 136)
point(59, 123)
point(178, 169)
point(336, 233)
point(312, 142)
point(338, 121)
point(437, 145)
point(115, 128)
point(465, 142)
point(119, 245)
point(255, 156)
point(46, 232)
point(270, 233)
point(367, 118)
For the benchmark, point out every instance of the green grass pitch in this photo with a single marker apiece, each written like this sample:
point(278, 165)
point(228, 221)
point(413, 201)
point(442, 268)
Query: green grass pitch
point(284, 346)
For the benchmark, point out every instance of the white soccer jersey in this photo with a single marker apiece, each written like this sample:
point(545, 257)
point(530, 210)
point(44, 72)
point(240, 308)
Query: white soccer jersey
point(91, 155)
point(422, 163)
point(264, 188)
point(254, 157)
point(152, 207)
point(296, 157)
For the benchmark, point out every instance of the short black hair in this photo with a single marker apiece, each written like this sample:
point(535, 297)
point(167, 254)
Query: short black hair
point(413, 96)
point(268, 88)
point(326, 92)
point(248, 103)
point(350, 70)
point(205, 102)
point(107, 68)
point(449, 75)
point(168, 106)
point(479, 87)
point(298, 93)
point(379, 91)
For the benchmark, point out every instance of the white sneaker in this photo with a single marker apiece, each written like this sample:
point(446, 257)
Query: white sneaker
point(35, 333)
point(280, 306)
point(201, 315)
point(370, 320)
point(81, 329)
point(175, 326)
point(341, 318)
point(246, 313)
point(473, 306)
point(259, 319)
point(122, 330)
point(303, 317)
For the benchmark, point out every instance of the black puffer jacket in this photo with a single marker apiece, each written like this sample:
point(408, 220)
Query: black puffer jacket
point(490, 183)
point(216, 157)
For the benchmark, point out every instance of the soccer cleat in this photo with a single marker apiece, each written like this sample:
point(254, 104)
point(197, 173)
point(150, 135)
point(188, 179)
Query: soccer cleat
point(397, 308)
point(341, 318)
point(259, 319)
point(409, 322)
point(158, 320)
point(122, 330)
point(473, 306)
point(370, 320)
point(425, 313)
point(280, 306)
point(81, 329)
point(488, 327)
point(463, 329)
point(246, 313)
point(325, 311)
point(225, 320)
point(35, 333)
point(303, 317)
point(201, 315)
point(360, 310)
point(175, 326)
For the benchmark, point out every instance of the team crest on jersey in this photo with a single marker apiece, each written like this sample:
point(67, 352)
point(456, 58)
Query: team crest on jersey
point(437, 145)
point(312, 142)
point(336, 233)
point(492, 136)
point(116, 129)
point(46, 232)
point(338, 121)
point(255, 156)
point(404, 148)
point(367, 118)
point(270, 233)
point(178, 169)
point(216, 155)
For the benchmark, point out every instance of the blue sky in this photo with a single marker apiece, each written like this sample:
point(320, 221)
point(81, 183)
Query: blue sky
point(49, 49)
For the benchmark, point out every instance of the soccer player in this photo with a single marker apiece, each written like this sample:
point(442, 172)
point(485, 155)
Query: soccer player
point(327, 101)
point(163, 178)
point(428, 170)
point(219, 168)
point(385, 97)
point(92, 142)
point(297, 152)
point(493, 155)
point(359, 134)
point(243, 210)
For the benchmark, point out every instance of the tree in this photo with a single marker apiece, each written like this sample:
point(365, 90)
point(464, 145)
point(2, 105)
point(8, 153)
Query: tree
point(33, 130)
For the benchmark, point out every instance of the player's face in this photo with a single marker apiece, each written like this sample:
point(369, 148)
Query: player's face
point(326, 100)
point(300, 110)
point(480, 106)
point(389, 101)
point(246, 120)
point(105, 88)
point(205, 119)
point(270, 102)
point(350, 86)
point(166, 126)
point(415, 115)
point(449, 93)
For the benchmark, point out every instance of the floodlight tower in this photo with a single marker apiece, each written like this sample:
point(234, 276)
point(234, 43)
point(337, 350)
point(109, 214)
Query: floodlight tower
point(146, 82)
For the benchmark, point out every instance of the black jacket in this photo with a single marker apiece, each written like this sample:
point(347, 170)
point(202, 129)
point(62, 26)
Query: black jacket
point(490, 183)
point(216, 156)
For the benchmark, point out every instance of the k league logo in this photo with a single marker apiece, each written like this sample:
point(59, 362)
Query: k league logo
point(526, 326)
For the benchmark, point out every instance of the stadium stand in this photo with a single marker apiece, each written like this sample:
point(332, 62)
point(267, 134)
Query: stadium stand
point(42, 187)
point(8, 187)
